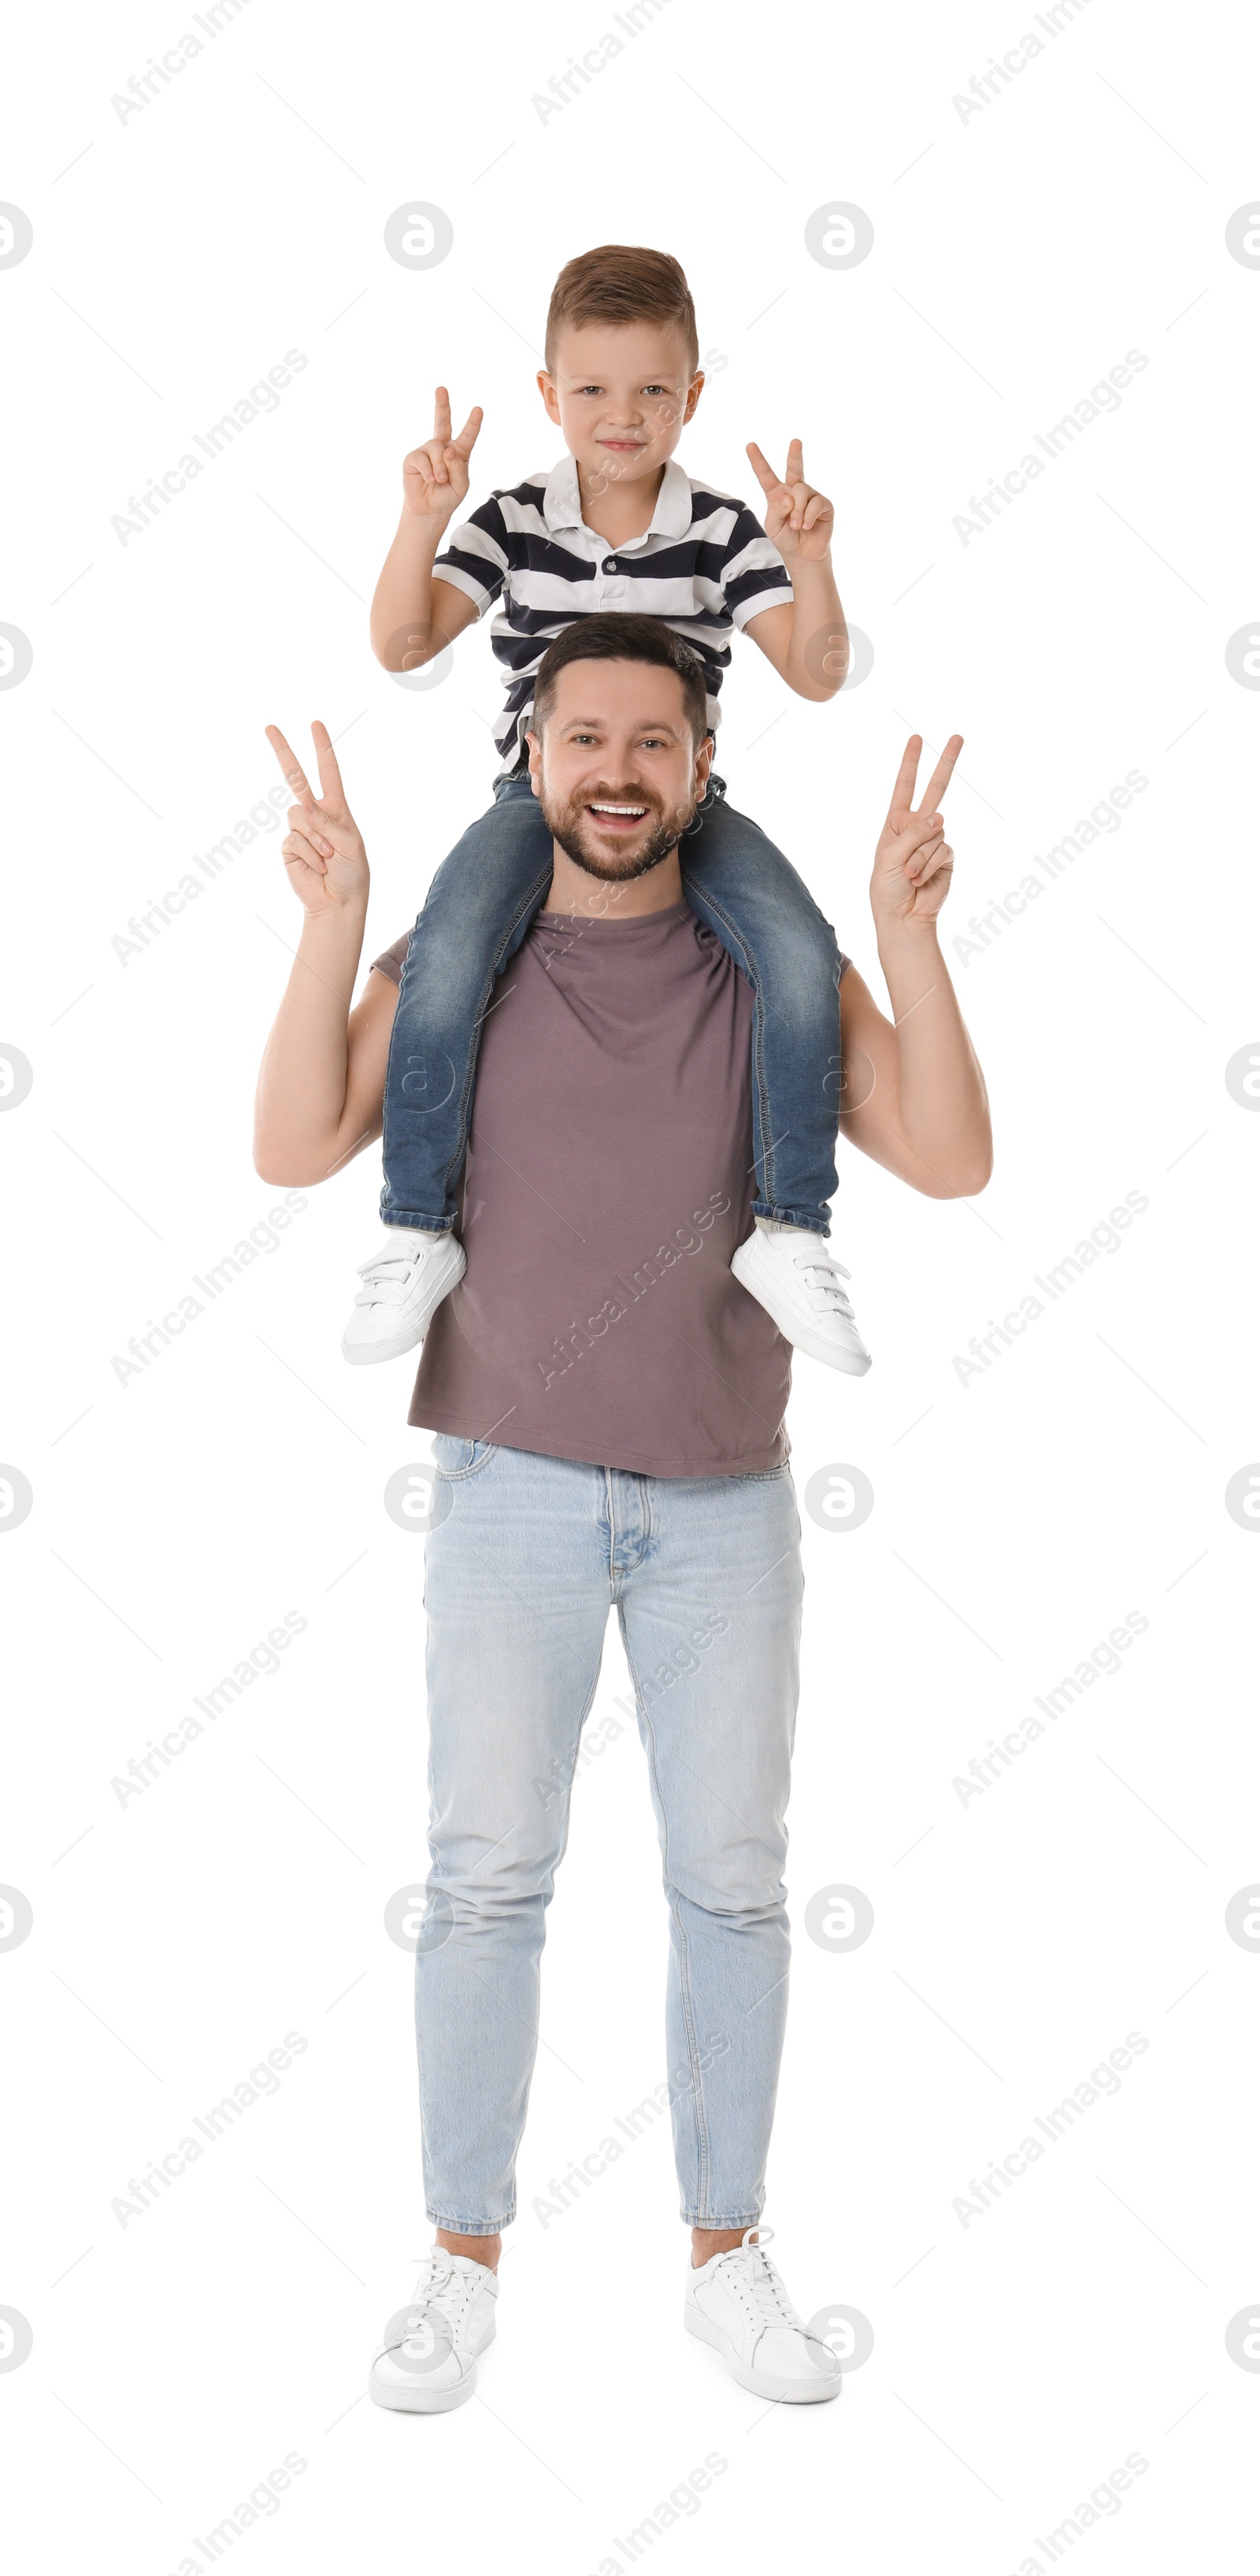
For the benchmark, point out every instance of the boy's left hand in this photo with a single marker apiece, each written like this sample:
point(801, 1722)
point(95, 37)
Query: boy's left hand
point(798, 519)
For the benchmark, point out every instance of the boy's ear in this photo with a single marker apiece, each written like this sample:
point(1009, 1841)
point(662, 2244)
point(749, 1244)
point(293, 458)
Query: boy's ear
point(551, 399)
point(694, 391)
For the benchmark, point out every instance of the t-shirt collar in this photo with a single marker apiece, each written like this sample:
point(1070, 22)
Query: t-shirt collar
point(562, 502)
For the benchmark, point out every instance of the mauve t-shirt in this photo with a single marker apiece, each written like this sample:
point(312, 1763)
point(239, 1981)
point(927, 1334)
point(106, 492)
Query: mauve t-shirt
point(608, 1180)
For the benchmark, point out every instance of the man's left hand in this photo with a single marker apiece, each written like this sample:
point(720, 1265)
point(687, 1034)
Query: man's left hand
point(913, 859)
point(798, 519)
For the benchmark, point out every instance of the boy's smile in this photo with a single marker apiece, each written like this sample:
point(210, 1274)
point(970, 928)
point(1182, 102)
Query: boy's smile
point(621, 395)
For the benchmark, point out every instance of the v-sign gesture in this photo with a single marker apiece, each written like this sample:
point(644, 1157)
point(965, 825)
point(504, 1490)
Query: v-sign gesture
point(798, 519)
point(323, 850)
point(435, 476)
point(913, 859)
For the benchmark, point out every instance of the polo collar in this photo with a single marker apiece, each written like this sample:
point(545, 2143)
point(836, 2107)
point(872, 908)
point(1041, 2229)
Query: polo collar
point(562, 505)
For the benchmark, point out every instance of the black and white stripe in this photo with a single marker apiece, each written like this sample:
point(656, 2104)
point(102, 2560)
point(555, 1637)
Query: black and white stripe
point(705, 566)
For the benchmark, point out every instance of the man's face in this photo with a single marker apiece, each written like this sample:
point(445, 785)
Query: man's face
point(616, 769)
point(621, 396)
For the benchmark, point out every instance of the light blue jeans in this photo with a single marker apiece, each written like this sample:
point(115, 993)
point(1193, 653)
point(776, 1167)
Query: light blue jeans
point(526, 1557)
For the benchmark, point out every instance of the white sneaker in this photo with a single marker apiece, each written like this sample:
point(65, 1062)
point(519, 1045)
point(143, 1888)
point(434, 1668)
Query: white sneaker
point(428, 2358)
point(403, 1285)
point(737, 2303)
point(791, 1273)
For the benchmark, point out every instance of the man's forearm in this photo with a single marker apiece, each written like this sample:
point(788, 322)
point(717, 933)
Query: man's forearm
point(402, 607)
point(301, 1099)
point(818, 655)
point(943, 1103)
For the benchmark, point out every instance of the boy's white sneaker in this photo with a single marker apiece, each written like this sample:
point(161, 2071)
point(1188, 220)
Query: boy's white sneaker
point(790, 1272)
point(404, 1283)
point(738, 2303)
point(428, 2358)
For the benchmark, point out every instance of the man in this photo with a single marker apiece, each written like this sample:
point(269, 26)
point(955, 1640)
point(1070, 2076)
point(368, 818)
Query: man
point(609, 1408)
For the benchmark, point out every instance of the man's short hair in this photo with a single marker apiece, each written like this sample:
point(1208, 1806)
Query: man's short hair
point(618, 285)
point(626, 638)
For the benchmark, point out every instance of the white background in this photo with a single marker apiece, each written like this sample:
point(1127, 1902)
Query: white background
point(1018, 256)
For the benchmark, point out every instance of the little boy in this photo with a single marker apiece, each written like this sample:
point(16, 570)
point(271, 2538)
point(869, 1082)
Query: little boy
point(615, 526)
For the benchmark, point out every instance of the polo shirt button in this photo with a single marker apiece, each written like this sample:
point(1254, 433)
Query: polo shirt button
point(610, 566)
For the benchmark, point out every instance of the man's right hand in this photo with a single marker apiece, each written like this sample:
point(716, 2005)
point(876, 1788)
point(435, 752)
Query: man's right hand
point(435, 476)
point(323, 851)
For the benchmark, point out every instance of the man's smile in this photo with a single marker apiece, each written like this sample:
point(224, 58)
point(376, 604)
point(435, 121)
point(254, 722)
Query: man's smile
point(617, 818)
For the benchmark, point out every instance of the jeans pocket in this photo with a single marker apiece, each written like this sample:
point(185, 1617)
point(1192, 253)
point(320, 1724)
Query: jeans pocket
point(456, 1457)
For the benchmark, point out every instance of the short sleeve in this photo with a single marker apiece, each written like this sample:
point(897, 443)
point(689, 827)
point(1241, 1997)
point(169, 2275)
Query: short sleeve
point(476, 559)
point(754, 575)
point(392, 960)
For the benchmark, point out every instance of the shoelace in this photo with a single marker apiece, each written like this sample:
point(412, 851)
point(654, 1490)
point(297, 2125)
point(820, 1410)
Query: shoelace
point(442, 2287)
point(821, 1276)
point(754, 2279)
point(388, 1276)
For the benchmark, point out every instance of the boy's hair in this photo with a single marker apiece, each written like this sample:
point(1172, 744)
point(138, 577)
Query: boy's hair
point(618, 285)
point(625, 638)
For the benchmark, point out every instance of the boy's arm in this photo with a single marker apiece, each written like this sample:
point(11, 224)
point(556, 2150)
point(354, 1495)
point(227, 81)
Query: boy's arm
point(807, 642)
point(912, 1093)
point(322, 1079)
point(414, 615)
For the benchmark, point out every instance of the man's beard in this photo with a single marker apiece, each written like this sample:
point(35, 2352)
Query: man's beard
point(664, 826)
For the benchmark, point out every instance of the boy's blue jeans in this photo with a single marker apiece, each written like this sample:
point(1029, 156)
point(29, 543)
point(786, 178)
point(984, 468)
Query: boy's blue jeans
point(479, 908)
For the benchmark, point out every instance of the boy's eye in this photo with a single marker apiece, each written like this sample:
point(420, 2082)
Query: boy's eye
point(592, 389)
point(656, 389)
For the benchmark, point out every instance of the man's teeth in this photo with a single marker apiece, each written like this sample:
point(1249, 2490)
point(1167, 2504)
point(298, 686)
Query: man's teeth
point(618, 809)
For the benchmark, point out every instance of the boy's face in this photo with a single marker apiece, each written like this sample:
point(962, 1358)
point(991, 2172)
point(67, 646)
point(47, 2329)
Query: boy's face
point(621, 398)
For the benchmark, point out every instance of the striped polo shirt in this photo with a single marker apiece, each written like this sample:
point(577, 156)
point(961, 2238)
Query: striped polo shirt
point(704, 566)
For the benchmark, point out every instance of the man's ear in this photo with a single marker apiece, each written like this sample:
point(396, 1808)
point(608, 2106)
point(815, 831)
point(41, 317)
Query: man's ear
point(551, 399)
point(535, 754)
point(704, 762)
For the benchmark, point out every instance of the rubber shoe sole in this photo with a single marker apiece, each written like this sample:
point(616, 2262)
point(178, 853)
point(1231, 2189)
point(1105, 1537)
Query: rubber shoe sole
point(787, 2392)
point(409, 1335)
point(816, 1346)
point(417, 2399)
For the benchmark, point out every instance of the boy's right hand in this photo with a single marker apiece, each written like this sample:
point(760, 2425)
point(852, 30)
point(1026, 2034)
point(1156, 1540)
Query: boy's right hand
point(435, 476)
point(323, 850)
